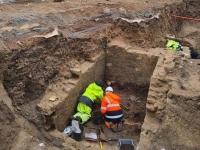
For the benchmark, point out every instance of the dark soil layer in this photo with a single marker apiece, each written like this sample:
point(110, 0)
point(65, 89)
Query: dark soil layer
point(31, 70)
point(133, 102)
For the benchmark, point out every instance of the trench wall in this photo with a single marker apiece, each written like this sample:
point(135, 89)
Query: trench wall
point(57, 113)
point(171, 120)
point(128, 67)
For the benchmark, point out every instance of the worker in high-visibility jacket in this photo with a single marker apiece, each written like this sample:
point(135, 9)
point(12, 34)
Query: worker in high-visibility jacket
point(173, 45)
point(93, 92)
point(111, 109)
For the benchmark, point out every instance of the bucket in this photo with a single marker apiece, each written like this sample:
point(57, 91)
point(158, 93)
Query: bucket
point(97, 117)
point(126, 144)
point(78, 136)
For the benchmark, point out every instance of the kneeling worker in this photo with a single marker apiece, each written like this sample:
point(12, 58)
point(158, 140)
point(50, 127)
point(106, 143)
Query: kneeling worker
point(93, 92)
point(110, 107)
point(173, 45)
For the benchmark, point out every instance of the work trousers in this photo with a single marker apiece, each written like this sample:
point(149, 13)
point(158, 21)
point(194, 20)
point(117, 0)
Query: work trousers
point(84, 112)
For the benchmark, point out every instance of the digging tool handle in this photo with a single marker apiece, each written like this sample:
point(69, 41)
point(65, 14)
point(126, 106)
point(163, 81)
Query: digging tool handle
point(101, 145)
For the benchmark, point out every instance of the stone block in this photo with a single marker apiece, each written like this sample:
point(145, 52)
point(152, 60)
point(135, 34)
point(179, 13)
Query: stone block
point(76, 71)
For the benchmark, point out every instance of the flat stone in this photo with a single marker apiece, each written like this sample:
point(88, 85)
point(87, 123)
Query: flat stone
point(76, 71)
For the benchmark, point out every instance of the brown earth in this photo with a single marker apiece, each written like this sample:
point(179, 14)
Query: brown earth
point(58, 48)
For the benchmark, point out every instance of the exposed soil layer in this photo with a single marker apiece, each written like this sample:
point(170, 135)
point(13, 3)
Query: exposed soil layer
point(133, 102)
point(29, 65)
point(31, 70)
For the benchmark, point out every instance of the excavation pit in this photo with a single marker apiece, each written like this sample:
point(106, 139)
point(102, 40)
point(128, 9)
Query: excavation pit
point(64, 80)
point(46, 77)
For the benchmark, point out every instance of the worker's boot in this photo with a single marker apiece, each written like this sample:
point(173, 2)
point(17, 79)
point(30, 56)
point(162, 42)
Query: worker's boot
point(119, 127)
point(113, 127)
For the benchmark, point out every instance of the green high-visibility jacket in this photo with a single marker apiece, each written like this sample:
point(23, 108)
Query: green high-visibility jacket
point(173, 45)
point(93, 92)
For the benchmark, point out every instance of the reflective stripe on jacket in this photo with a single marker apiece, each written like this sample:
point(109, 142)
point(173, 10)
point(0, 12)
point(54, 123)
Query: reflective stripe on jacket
point(110, 106)
point(114, 116)
point(86, 101)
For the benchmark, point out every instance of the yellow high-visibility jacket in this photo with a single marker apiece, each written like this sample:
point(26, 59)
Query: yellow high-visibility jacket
point(173, 45)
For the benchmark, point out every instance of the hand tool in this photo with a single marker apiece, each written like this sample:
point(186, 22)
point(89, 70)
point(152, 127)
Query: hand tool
point(100, 143)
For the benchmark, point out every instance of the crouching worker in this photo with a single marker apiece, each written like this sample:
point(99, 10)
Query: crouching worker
point(110, 108)
point(173, 45)
point(93, 92)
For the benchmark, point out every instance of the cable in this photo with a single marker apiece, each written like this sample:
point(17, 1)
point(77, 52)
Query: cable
point(186, 18)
